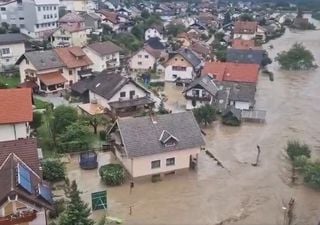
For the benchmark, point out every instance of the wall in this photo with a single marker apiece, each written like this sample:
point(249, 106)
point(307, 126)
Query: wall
point(142, 165)
point(244, 36)
point(198, 104)
point(127, 88)
point(152, 33)
point(100, 100)
point(79, 38)
point(100, 61)
point(146, 62)
point(178, 60)
point(242, 105)
point(13, 131)
point(58, 35)
point(13, 14)
point(16, 50)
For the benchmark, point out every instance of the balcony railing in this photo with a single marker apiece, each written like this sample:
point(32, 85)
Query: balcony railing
point(20, 218)
point(85, 72)
point(198, 98)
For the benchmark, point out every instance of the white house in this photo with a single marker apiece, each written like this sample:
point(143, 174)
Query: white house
point(157, 145)
point(11, 48)
point(118, 94)
point(200, 92)
point(14, 122)
point(182, 65)
point(105, 55)
point(74, 5)
point(44, 69)
point(142, 60)
point(71, 31)
point(242, 96)
point(154, 32)
point(25, 198)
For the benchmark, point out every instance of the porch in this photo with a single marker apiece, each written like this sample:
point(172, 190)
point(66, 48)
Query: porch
point(51, 82)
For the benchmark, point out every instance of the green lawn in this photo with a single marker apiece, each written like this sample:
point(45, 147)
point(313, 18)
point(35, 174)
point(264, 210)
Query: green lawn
point(41, 104)
point(10, 81)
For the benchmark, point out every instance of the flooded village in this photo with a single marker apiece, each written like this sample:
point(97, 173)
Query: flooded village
point(113, 116)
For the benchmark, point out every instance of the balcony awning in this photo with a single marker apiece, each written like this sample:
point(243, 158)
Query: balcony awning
point(131, 103)
point(52, 78)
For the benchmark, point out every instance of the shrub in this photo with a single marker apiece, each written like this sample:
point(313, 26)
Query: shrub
point(300, 162)
point(296, 149)
point(102, 135)
point(112, 174)
point(312, 174)
point(37, 120)
point(53, 170)
point(58, 208)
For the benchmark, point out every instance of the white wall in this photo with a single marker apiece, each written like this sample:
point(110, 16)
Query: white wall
point(140, 57)
point(142, 165)
point(244, 36)
point(13, 131)
point(188, 74)
point(16, 50)
point(24, 66)
point(40, 219)
point(100, 61)
point(152, 33)
point(100, 100)
point(242, 105)
point(189, 105)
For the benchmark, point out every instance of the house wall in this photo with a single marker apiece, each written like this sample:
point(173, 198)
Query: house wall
point(142, 165)
point(152, 33)
point(172, 75)
point(100, 61)
point(59, 36)
point(13, 14)
point(198, 104)
point(24, 66)
point(244, 36)
point(127, 88)
point(146, 63)
point(16, 50)
point(13, 131)
point(79, 38)
point(242, 105)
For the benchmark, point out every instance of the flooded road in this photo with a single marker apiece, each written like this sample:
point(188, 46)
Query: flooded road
point(240, 194)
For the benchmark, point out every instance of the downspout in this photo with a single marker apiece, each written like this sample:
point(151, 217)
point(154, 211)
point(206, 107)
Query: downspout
point(14, 131)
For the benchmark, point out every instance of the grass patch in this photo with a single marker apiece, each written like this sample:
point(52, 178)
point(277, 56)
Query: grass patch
point(10, 81)
point(41, 104)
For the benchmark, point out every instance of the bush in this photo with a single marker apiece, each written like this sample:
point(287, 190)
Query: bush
point(102, 135)
point(312, 174)
point(53, 170)
point(300, 162)
point(112, 174)
point(295, 149)
point(37, 120)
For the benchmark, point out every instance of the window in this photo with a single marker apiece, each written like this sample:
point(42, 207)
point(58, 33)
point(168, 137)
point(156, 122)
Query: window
point(50, 7)
point(39, 8)
point(3, 9)
point(174, 75)
point(5, 51)
point(175, 59)
point(54, 8)
point(61, 70)
point(195, 93)
point(44, 16)
point(155, 164)
point(21, 18)
point(7, 60)
point(44, 8)
point(182, 60)
point(146, 56)
point(47, 7)
point(70, 72)
point(170, 161)
point(122, 94)
point(51, 16)
point(139, 63)
point(132, 94)
point(55, 15)
point(179, 68)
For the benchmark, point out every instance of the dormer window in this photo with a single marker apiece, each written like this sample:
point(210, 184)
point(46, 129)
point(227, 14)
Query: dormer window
point(167, 139)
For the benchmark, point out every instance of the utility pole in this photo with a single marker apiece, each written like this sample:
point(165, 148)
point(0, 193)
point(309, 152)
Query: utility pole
point(258, 156)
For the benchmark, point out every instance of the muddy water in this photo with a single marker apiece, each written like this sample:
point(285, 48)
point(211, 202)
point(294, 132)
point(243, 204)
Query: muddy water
point(239, 194)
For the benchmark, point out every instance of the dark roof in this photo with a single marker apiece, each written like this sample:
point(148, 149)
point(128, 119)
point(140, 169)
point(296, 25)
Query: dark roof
point(11, 38)
point(235, 112)
point(190, 56)
point(250, 56)
point(155, 43)
point(105, 48)
point(106, 85)
point(242, 92)
point(25, 149)
point(206, 82)
point(141, 135)
point(42, 60)
point(9, 183)
point(82, 86)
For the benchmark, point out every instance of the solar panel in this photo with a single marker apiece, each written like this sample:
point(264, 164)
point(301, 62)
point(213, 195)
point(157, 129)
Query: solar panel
point(45, 193)
point(24, 178)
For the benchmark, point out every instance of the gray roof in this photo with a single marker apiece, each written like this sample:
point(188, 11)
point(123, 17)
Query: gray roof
point(106, 85)
point(43, 60)
point(11, 38)
point(252, 56)
point(141, 135)
point(206, 82)
point(105, 48)
point(242, 92)
point(190, 56)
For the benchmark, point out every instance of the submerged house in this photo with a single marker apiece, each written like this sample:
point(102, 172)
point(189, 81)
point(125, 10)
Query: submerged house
point(157, 145)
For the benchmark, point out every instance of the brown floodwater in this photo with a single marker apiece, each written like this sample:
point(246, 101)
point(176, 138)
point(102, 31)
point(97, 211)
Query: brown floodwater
point(240, 193)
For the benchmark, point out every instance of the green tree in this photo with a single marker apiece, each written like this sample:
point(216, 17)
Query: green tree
point(297, 58)
point(246, 17)
point(138, 31)
point(5, 25)
point(312, 174)
point(37, 120)
point(95, 121)
point(112, 174)
point(76, 135)
point(174, 30)
point(76, 212)
point(205, 114)
point(145, 14)
point(63, 117)
point(295, 149)
point(47, 132)
point(53, 170)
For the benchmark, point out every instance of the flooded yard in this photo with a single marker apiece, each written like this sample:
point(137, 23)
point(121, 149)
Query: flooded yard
point(240, 193)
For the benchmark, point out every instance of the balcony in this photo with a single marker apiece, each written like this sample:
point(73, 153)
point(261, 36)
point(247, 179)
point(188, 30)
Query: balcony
point(19, 218)
point(85, 72)
point(198, 98)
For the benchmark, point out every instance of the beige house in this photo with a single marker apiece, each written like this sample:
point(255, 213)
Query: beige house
point(24, 197)
point(14, 121)
point(157, 145)
point(11, 48)
point(71, 31)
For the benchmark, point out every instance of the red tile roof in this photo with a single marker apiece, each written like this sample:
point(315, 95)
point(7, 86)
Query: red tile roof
point(244, 44)
point(15, 105)
point(234, 72)
point(73, 57)
point(109, 15)
point(245, 27)
point(52, 78)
